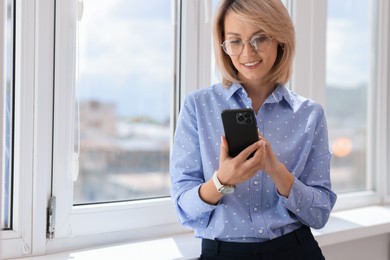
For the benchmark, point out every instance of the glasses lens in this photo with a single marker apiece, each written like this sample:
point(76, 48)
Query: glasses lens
point(232, 47)
point(261, 42)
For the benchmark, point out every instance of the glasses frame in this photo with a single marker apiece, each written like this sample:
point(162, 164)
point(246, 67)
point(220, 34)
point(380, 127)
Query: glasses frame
point(223, 45)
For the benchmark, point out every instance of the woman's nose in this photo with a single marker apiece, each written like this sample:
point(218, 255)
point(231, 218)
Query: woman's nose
point(247, 49)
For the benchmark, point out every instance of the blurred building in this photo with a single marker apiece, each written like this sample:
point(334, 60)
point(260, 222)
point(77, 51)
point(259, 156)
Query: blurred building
point(120, 155)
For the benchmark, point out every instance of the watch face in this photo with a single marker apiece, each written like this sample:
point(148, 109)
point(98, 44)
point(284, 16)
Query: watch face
point(227, 189)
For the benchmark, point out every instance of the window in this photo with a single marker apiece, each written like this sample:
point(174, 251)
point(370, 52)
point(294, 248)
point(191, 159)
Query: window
point(6, 109)
point(16, 238)
point(113, 118)
point(349, 56)
point(93, 81)
point(124, 91)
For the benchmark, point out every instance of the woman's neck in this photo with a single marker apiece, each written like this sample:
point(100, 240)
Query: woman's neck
point(258, 93)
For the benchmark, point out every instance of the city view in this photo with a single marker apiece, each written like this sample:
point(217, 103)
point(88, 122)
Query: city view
point(121, 158)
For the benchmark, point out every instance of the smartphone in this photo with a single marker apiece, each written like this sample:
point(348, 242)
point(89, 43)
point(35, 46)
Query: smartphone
point(240, 129)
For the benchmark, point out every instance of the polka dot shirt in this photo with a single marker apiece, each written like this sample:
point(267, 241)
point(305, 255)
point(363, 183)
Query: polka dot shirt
point(255, 212)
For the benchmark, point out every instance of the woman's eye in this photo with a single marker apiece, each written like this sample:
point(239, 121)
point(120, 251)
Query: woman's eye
point(235, 42)
point(259, 39)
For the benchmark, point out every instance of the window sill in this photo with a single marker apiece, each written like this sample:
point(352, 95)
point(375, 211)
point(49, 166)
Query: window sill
point(349, 225)
point(343, 226)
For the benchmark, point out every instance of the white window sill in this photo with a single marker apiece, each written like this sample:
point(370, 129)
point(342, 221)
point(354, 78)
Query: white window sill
point(343, 226)
point(349, 225)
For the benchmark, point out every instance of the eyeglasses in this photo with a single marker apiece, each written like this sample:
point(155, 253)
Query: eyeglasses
point(259, 43)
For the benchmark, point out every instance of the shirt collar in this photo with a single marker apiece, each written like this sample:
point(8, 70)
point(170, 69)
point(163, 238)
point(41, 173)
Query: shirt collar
point(280, 93)
point(229, 92)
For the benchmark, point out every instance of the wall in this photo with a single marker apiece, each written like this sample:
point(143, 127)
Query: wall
point(373, 248)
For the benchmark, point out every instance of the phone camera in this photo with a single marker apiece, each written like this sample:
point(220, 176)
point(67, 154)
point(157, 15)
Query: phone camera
point(244, 118)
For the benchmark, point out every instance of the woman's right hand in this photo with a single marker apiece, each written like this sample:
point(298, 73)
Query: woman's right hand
point(233, 171)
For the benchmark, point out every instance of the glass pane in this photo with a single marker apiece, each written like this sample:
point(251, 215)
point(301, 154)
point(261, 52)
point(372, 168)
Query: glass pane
point(7, 108)
point(124, 92)
point(348, 57)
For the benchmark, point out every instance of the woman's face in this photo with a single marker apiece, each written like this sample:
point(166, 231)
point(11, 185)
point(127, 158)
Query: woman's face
point(251, 65)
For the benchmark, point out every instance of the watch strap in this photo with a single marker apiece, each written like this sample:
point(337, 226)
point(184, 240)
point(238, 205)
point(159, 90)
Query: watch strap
point(224, 189)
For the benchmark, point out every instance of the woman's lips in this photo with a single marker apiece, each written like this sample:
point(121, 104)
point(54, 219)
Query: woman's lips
point(252, 64)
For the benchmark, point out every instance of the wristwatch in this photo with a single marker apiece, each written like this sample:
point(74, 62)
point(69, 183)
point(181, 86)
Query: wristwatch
point(223, 189)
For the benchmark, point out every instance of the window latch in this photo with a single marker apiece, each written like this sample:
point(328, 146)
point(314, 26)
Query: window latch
point(51, 216)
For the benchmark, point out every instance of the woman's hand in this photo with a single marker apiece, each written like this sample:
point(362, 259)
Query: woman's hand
point(236, 170)
point(272, 164)
point(282, 178)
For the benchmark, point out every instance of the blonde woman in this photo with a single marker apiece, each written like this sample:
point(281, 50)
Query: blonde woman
point(261, 207)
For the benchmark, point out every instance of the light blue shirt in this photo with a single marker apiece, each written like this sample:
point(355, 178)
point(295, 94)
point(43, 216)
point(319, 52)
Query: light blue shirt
point(297, 131)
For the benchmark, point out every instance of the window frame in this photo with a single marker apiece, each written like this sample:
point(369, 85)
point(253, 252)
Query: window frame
point(3, 78)
point(42, 97)
point(311, 50)
point(70, 223)
point(382, 79)
point(18, 240)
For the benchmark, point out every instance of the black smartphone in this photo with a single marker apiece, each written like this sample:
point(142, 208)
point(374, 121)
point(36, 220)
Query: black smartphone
point(240, 129)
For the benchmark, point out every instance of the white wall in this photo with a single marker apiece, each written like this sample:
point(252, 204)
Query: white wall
point(373, 248)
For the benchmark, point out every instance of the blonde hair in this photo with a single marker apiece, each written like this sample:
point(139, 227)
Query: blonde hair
point(268, 15)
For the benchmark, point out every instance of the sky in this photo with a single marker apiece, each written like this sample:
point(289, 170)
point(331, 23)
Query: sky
point(126, 52)
point(125, 56)
point(349, 42)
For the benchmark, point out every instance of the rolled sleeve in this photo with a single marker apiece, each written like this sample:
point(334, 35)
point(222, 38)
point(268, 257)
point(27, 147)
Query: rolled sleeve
point(300, 198)
point(311, 199)
point(187, 172)
point(194, 212)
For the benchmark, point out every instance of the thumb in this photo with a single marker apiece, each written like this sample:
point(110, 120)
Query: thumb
point(224, 150)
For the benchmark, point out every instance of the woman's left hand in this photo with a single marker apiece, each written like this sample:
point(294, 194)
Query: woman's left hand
point(282, 178)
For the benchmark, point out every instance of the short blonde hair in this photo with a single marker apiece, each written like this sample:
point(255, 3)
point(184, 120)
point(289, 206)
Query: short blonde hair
point(268, 15)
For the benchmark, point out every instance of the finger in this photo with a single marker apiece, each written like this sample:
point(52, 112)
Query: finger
point(224, 149)
point(243, 156)
point(259, 133)
point(263, 154)
point(261, 137)
point(259, 156)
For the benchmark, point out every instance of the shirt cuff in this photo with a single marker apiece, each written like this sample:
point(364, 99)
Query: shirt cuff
point(194, 205)
point(299, 199)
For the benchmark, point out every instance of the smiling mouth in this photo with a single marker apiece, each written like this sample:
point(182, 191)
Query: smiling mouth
point(251, 64)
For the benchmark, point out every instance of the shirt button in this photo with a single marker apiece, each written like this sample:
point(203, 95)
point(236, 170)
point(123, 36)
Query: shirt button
point(255, 209)
point(298, 210)
point(255, 183)
point(261, 231)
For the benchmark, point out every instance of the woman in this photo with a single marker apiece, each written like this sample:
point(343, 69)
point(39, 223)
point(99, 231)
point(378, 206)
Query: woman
point(261, 207)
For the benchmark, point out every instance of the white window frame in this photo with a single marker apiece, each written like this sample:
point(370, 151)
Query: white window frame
point(130, 220)
point(3, 79)
point(41, 65)
point(33, 129)
point(310, 55)
point(381, 137)
point(18, 241)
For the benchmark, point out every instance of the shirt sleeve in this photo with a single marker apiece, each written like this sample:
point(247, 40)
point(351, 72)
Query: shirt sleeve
point(311, 198)
point(186, 170)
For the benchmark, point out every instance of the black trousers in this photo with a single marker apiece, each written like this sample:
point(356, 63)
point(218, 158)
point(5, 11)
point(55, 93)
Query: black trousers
point(297, 245)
